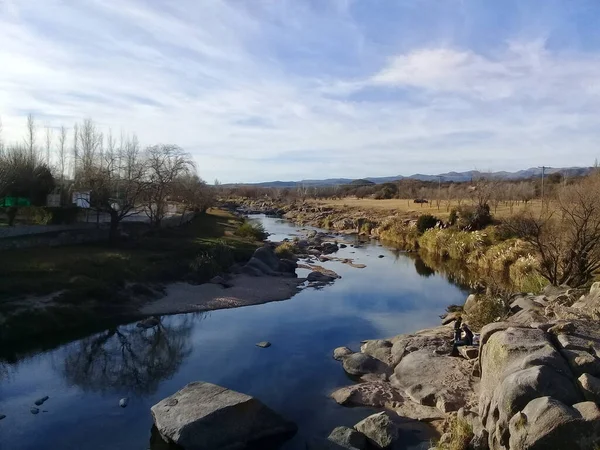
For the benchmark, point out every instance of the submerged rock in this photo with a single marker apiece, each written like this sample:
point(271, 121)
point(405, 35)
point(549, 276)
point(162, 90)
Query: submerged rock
point(123, 402)
point(41, 401)
point(34, 410)
point(359, 364)
point(263, 344)
point(204, 416)
point(319, 277)
point(2, 416)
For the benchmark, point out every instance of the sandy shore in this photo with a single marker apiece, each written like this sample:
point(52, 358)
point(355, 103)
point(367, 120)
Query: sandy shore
point(246, 290)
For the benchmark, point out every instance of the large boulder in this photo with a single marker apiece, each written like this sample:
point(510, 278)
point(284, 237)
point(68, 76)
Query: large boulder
point(359, 364)
point(257, 267)
point(590, 387)
point(546, 423)
point(319, 277)
point(348, 438)
point(341, 352)
point(380, 349)
point(204, 416)
point(470, 303)
point(379, 430)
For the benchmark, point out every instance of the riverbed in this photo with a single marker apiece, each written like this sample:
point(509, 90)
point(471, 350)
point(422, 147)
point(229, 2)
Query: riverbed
point(85, 379)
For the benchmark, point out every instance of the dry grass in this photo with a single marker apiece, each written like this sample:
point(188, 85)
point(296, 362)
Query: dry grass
point(407, 208)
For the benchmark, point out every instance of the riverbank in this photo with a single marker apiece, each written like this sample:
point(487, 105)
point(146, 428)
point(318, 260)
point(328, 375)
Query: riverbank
point(490, 257)
point(531, 383)
point(57, 290)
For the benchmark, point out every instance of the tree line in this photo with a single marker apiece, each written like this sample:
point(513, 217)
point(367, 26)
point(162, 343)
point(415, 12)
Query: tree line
point(110, 174)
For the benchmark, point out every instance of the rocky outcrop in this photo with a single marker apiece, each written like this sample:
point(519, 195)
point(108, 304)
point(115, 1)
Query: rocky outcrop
point(204, 416)
point(265, 262)
point(379, 429)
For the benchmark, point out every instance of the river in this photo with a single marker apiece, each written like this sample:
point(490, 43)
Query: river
point(86, 378)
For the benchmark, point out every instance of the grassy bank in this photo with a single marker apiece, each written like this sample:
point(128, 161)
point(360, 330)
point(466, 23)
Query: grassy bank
point(101, 281)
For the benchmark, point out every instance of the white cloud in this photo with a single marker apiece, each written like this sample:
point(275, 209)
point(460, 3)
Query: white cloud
point(282, 90)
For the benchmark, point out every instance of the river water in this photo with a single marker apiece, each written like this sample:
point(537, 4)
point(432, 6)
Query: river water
point(86, 378)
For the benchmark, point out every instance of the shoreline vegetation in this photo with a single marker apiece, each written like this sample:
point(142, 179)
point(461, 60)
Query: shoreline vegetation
point(62, 290)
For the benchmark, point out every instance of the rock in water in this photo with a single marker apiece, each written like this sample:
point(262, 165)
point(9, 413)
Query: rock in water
point(34, 410)
point(341, 352)
point(263, 344)
point(379, 429)
point(2, 416)
point(41, 401)
point(348, 438)
point(123, 402)
point(204, 416)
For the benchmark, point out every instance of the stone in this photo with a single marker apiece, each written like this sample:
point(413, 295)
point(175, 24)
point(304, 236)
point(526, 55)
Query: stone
point(267, 255)
point(447, 402)
point(343, 246)
point(263, 344)
point(123, 402)
point(379, 430)
point(287, 266)
point(341, 352)
point(582, 362)
point(319, 277)
point(258, 267)
point(376, 394)
point(34, 410)
point(381, 256)
point(317, 443)
point(2, 416)
point(359, 364)
point(469, 351)
point(423, 395)
point(450, 317)
point(348, 438)
point(588, 410)
point(204, 416)
point(380, 349)
point(590, 386)
point(150, 322)
point(329, 247)
point(470, 303)
point(562, 327)
point(546, 423)
point(41, 401)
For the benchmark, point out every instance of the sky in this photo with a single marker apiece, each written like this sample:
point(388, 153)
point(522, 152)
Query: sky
point(261, 90)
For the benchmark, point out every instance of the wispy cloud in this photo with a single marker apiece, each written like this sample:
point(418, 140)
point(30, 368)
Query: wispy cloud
point(287, 90)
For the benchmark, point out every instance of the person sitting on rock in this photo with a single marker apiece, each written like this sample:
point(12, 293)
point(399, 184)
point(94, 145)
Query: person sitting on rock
point(457, 324)
point(466, 340)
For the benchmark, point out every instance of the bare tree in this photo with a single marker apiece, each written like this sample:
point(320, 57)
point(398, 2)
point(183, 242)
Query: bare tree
point(566, 235)
point(48, 143)
point(62, 152)
point(30, 136)
point(165, 163)
point(90, 141)
point(75, 150)
point(1, 139)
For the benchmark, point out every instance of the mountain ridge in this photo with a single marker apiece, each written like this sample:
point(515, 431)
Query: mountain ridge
point(454, 176)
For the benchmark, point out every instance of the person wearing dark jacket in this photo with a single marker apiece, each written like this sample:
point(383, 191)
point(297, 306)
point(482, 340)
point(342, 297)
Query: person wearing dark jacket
point(457, 324)
point(467, 339)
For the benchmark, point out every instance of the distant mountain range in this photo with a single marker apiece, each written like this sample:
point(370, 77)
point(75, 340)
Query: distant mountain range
point(449, 176)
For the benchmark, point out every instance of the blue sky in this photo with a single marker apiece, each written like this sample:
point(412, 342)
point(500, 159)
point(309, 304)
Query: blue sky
point(261, 90)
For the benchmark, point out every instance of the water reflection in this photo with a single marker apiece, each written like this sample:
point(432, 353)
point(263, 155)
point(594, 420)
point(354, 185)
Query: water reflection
point(422, 268)
point(129, 357)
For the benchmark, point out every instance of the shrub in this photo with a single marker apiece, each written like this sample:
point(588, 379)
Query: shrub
point(461, 434)
point(286, 250)
point(37, 215)
point(487, 310)
point(63, 216)
point(453, 217)
point(222, 254)
point(204, 267)
point(472, 218)
point(425, 222)
point(252, 230)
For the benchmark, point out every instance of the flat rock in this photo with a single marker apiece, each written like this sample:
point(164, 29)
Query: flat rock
point(422, 394)
point(34, 410)
point(380, 349)
point(263, 344)
point(341, 352)
point(582, 362)
point(379, 430)
point(204, 416)
point(319, 277)
point(377, 394)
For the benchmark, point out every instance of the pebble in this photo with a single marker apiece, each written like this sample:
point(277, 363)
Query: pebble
point(123, 402)
point(41, 401)
point(263, 344)
point(2, 416)
point(34, 410)
point(381, 256)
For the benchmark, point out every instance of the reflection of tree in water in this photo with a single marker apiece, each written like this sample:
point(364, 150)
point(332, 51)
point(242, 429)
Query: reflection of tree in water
point(129, 357)
point(423, 269)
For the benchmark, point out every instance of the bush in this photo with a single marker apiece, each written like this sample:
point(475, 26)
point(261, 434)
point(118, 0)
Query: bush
point(204, 267)
point(486, 310)
point(37, 215)
point(453, 217)
point(473, 218)
point(252, 230)
point(426, 222)
point(63, 216)
point(461, 434)
point(287, 250)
